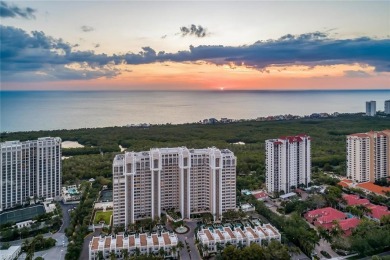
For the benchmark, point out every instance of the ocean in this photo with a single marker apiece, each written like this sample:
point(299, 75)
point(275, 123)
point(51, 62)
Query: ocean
point(50, 110)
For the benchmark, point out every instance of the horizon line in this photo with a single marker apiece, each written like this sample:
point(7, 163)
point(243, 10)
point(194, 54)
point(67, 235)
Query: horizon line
point(189, 90)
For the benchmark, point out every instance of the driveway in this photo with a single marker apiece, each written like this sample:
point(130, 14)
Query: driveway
point(190, 238)
point(85, 250)
point(323, 246)
point(65, 215)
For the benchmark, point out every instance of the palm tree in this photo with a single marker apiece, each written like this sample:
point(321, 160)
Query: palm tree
point(26, 244)
point(219, 247)
point(100, 255)
point(137, 251)
point(125, 254)
point(112, 255)
point(206, 249)
point(174, 251)
point(161, 252)
point(240, 245)
point(180, 246)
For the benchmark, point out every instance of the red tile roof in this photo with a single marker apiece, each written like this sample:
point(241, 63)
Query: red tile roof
point(355, 200)
point(119, 241)
point(373, 187)
point(349, 223)
point(208, 234)
point(378, 211)
point(231, 234)
point(358, 135)
point(345, 183)
point(95, 243)
point(260, 195)
point(325, 215)
point(167, 240)
point(142, 239)
point(107, 243)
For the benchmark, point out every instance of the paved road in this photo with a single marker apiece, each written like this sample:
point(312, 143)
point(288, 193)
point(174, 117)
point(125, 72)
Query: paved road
point(65, 215)
point(59, 250)
point(56, 253)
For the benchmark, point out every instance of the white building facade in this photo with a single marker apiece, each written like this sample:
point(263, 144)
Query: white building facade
point(235, 236)
point(387, 107)
point(143, 243)
point(368, 156)
point(29, 169)
point(288, 163)
point(371, 108)
point(190, 181)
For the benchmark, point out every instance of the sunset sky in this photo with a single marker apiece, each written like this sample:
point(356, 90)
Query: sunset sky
point(202, 45)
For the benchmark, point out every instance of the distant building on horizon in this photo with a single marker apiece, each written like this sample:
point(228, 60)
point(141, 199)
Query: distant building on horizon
point(368, 156)
point(371, 108)
point(288, 163)
point(387, 106)
point(190, 181)
point(29, 169)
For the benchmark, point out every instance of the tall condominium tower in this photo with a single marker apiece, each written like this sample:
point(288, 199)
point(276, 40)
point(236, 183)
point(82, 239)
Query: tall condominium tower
point(288, 163)
point(190, 181)
point(368, 156)
point(29, 169)
point(371, 108)
point(387, 106)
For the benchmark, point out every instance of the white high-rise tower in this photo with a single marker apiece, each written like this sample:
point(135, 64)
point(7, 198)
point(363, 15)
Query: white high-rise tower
point(190, 181)
point(29, 169)
point(288, 163)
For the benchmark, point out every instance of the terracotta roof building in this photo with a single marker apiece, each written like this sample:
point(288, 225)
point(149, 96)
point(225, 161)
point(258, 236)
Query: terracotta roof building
point(371, 187)
point(347, 225)
point(353, 200)
point(324, 217)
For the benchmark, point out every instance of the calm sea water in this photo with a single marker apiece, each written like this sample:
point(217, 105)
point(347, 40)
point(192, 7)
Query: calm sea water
point(48, 110)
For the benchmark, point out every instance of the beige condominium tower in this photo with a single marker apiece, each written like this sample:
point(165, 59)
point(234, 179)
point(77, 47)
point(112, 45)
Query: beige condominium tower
point(368, 156)
point(191, 181)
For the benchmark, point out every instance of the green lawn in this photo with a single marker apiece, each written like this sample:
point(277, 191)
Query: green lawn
point(100, 216)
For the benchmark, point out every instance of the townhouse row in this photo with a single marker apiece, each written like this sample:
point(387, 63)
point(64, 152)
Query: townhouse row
point(211, 237)
point(133, 244)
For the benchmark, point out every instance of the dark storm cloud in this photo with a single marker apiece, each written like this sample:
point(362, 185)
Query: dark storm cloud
point(86, 28)
point(13, 11)
point(193, 30)
point(22, 52)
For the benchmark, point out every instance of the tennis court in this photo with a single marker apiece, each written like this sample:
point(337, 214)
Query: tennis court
point(23, 214)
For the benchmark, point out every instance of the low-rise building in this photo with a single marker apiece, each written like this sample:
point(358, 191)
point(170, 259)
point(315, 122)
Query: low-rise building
point(235, 236)
point(371, 187)
point(354, 200)
point(11, 253)
point(247, 207)
point(377, 212)
point(70, 194)
point(143, 243)
point(347, 225)
point(324, 217)
point(260, 195)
